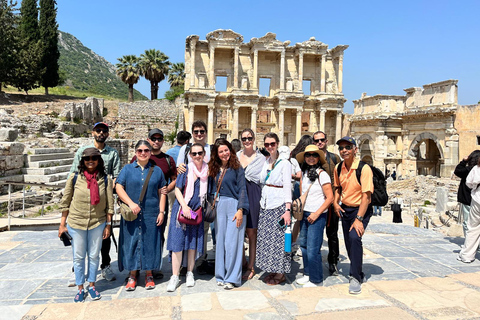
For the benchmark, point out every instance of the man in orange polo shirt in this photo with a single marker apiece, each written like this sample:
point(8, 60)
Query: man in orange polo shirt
point(355, 209)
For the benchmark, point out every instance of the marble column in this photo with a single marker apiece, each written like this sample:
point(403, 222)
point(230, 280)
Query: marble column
point(191, 114)
point(313, 121)
point(338, 127)
point(281, 124)
point(255, 70)
point(282, 70)
point(193, 45)
point(340, 74)
point(210, 124)
point(235, 68)
point(321, 127)
point(234, 133)
point(298, 125)
point(300, 72)
point(211, 73)
point(322, 73)
point(253, 124)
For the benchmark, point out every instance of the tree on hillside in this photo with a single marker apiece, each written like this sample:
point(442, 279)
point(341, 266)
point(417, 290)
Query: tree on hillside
point(29, 70)
point(154, 66)
point(8, 40)
point(176, 75)
point(29, 21)
point(128, 70)
point(49, 36)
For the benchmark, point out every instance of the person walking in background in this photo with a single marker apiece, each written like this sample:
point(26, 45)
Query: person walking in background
point(275, 209)
point(377, 210)
point(87, 202)
point(252, 161)
point(183, 137)
point(236, 145)
point(140, 245)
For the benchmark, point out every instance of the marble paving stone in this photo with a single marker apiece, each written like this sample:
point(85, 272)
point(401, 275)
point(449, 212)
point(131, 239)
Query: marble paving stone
point(466, 268)
point(54, 288)
point(332, 304)
point(14, 312)
point(201, 286)
point(291, 306)
point(243, 300)
point(332, 280)
point(2, 265)
point(49, 301)
point(21, 256)
point(393, 276)
point(450, 259)
point(424, 267)
point(427, 250)
point(10, 302)
point(17, 289)
point(262, 316)
point(196, 302)
point(28, 271)
point(448, 313)
point(392, 251)
point(35, 236)
point(55, 243)
point(55, 255)
point(373, 266)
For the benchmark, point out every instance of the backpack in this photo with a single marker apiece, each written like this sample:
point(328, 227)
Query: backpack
point(379, 195)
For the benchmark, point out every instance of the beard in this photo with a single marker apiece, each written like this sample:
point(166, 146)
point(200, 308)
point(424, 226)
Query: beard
point(101, 138)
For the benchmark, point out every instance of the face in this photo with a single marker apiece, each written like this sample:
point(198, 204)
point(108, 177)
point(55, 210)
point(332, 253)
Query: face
point(345, 153)
point(197, 154)
point(320, 141)
point(91, 162)
point(143, 153)
point(100, 134)
point(156, 141)
point(311, 158)
point(271, 145)
point(199, 134)
point(224, 153)
point(247, 140)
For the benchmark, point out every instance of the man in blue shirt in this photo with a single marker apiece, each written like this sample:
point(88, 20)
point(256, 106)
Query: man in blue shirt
point(183, 137)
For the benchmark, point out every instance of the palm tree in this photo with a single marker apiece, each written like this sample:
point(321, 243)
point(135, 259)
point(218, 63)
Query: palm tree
point(129, 71)
point(176, 75)
point(154, 66)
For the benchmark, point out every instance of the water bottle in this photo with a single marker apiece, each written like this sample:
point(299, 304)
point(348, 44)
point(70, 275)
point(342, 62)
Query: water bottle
point(288, 239)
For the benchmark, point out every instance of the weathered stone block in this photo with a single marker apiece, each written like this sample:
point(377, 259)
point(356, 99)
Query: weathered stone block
point(442, 198)
point(9, 148)
point(7, 134)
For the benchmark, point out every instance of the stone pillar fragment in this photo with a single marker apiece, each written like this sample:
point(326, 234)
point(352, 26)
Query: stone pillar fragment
point(234, 133)
point(211, 109)
point(300, 72)
point(321, 126)
point(253, 124)
point(313, 121)
point(193, 45)
point(322, 73)
point(340, 74)
point(235, 68)
point(255, 69)
point(211, 73)
point(298, 125)
point(282, 70)
point(281, 124)
point(338, 127)
point(191, 114)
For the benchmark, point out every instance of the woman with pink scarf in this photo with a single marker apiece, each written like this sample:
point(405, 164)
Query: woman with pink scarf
point(190, 190)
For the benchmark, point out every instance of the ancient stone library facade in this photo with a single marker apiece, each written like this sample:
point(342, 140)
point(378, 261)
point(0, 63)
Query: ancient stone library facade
point(264, 84)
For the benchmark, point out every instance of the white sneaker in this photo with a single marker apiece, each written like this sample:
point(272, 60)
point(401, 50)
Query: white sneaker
point(303, 280)
point(108, 274)
point(173, 283)
point(71, 280)
point(228, 286)
point(310, 285)
point(299, 252)
point(190, 279)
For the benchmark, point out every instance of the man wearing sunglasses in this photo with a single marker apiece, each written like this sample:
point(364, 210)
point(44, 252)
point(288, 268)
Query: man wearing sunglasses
point(111, 159)
point(355, 209)
point(331, 229)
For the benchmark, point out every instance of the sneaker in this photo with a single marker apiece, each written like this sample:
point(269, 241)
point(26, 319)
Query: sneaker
point(220, 283)
point(94, 294)
point(228, 286)
point(303, 280)
point(157, 274)
point(71, 280)
point(310, 285)
point(355, 286)
point(173, 283)
point(332, 268)
point(464, 261)
point(299, 252)
point(131, 284)
point(190, 279)
point(149, 284)
point(80, 296)
point(108, 274)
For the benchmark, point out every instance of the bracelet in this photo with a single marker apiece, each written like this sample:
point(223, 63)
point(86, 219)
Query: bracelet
point(108, 223)
point(162, 212)
point(288, 210)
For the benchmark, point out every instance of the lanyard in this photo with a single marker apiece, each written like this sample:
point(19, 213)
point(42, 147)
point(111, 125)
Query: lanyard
point(270, 171)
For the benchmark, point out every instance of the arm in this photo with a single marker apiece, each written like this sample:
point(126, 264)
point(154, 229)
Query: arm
point(337, 194)
point(173, 176)
point(122, 194)
point(65, 204)
point(327, 191)
point(287, 190)
point(357, 224)
point(163, 201)
point(109, 193)
point(243, 205)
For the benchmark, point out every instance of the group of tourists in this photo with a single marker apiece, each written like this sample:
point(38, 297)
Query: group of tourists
point(247, 193)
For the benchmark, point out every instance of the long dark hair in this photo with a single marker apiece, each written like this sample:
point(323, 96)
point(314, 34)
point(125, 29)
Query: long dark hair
point(100, 167)
point(215, 162)
point(474, 158)
point(304, 141)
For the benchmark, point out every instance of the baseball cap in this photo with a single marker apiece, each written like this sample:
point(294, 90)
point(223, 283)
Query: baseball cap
point(347, 139)
point(154, 132)
point(100, 124)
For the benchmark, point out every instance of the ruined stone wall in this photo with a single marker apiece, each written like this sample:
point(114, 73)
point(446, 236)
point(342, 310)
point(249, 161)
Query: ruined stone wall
point(466, 123)
point(90, 111)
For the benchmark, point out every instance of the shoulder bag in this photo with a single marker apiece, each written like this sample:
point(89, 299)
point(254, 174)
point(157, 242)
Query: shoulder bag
point(299, 203)
point(125, 210)
point(211, 201)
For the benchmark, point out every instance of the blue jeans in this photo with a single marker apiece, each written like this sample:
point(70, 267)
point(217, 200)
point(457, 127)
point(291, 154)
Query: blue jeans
point(86, 242)
point(311, 239)
point(377, 209)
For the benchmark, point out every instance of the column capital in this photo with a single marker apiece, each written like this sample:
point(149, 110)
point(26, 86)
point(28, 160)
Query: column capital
point(211, 106)
point(254, 108)
point(323, 110)
point(255, 52)
point(299, 112)
point(281, 109)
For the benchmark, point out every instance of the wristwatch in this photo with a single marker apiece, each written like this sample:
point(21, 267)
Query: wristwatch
point(360, 218)
point(288, 209)
point(108, 223)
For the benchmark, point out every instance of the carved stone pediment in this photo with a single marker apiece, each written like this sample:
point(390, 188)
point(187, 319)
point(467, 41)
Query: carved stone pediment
point(312, 43)
point(268, 38)
point(225, 34)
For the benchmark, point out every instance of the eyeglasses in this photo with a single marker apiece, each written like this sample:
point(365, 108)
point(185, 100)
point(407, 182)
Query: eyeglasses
point(104, 130)
point(156, 139)
point(199, 131)
point(194, 154)
point(320, 140)
point(348, 147)
point(247, 139)
point(315, 155)
point(93, 158)
point(143, 151)
point(268, 145)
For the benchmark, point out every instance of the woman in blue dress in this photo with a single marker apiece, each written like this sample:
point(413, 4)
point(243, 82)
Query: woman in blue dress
point(140, 240)
point(190, 191)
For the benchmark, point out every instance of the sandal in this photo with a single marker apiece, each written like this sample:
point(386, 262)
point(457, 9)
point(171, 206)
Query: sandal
point(269, 277)
point(275, 281)
point(251, 274)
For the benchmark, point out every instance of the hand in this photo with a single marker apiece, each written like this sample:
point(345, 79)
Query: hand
point(358, 225)
point(337, 210)
point(135, 208)
point(312, 217)
point(61, 230)
point(186, 212)
point(182, 168)
point(107, 231)
point(163, 190)
point(287, 217)
point(160, 218)
point(465, 159)
point(239, 217)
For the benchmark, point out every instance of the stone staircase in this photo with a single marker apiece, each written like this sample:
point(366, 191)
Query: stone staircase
point(48, 165)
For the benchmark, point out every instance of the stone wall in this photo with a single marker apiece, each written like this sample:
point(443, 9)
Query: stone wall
point(122, 146)
point(90, 111)
point(466, 123)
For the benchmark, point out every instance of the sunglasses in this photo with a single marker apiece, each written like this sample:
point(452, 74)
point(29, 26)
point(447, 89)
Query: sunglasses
point(268, 145)
point(93, 158)
point(157, 139)
point(194, 154)
point(308, 155)
point(98, 130)
point(199, 131)
point(143, 151)
point(319, 140)
point(349, 147)
point(247, 139)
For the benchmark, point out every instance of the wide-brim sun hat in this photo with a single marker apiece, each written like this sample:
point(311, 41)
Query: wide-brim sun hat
point(309, 149)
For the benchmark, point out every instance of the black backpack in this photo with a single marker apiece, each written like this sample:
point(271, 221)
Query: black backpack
point(379, 195)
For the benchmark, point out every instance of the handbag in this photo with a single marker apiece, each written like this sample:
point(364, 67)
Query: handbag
point(299, 203)
point(125, 211)
point(192, 221)
point(210, 212)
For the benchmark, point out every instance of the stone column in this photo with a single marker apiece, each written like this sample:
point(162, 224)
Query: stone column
point(338, 127)
point(255, 69)
point(210, 124)
point(282, 70)
point(235, 68)
point(340, 74)
point(322, 73)
point(313, 121)
point(253, 124)
point(321, 127)
point(211, 71)
point(300, 72)
point(193, 45)
point(281, 124)
point(234, 133)
point(191, 114)
point(298, 125)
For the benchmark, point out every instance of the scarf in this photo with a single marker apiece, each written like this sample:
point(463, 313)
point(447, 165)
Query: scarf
point(92, 184)
point(192, 174)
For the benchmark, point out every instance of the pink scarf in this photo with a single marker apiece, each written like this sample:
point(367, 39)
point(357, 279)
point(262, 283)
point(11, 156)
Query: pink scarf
point(193, 173)
point(92, 184)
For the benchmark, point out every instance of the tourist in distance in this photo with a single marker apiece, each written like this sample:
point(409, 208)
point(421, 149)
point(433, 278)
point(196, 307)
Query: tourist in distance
point(190, 193)
point(87, 203)
point(183, 137)
point(355, 209)
point(140, 246)
point(331, 229)
point(227, 181)
point(252, 161)
point(320, 196)
point(111, 159)
point(237, 145)
point(275, 208)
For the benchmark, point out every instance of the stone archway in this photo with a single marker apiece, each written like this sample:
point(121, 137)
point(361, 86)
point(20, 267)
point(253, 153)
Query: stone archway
point(367, 159)
point(428, 152)
point(366, 149)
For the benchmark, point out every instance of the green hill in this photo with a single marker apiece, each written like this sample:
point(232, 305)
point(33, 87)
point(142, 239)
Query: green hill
point(87, 71)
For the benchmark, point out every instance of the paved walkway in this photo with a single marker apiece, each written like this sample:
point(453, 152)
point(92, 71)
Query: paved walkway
point(412, 274)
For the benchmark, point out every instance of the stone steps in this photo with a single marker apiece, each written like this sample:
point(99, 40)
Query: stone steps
point(47, 170)
point(48, 156)
point(47, 178)
point(48, 150)
point(50, 163)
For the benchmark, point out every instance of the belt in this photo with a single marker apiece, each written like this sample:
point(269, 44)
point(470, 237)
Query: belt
point(273, 186)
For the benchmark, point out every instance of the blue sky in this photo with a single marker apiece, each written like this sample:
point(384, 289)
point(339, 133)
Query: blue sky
point(393, 44)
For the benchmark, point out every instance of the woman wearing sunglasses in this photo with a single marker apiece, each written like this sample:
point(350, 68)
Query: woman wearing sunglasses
point(319, 198)
point(275, 204)
point(227, 181)
point(190, 191)
point(140, 240)
point(252, 161)
point(88, 204)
